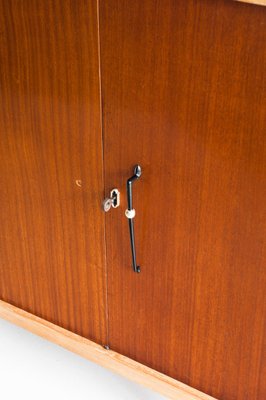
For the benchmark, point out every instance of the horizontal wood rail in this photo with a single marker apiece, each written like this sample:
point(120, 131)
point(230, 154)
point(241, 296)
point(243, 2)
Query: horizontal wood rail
point(115, 362)
point(258, 2)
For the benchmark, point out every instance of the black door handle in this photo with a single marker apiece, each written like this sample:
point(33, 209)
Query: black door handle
point(130, 214)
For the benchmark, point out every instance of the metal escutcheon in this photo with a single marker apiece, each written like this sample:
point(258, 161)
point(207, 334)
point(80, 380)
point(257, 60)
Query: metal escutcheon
point(112, 201)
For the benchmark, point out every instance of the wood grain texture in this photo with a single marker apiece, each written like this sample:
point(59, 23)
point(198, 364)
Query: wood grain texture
point(51, 186)
point(117, 363)
point(184, 88)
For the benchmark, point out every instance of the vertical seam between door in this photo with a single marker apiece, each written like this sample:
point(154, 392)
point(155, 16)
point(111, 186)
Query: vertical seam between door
point(103, 172)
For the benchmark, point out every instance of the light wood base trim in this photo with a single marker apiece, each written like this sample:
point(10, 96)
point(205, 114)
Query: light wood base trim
point(117, 363)
point(258, 2)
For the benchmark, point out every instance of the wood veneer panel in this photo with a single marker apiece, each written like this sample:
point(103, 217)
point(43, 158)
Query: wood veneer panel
point(51, 238)
point(184, 89)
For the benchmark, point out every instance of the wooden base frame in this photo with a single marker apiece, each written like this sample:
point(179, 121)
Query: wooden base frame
point(258, 2)
point(115, 362)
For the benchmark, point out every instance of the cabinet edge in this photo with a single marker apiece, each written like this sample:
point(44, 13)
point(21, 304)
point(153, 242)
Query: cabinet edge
point(109, 359)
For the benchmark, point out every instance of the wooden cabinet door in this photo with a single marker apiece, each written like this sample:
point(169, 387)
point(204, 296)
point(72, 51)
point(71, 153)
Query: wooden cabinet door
point(183, 86)
point(52, 228)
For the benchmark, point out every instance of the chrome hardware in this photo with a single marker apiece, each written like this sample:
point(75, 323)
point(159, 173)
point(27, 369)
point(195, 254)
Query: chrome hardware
point(130, 214)
point(112, 201)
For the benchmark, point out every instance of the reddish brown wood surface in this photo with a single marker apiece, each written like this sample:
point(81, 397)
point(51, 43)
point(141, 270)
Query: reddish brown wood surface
point(51, 238)
point(183, 87)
